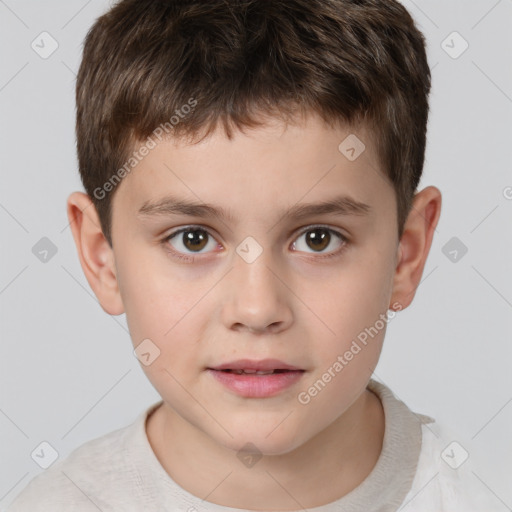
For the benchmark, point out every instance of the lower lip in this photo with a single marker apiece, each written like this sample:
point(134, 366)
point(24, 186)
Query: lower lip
point(257, 386)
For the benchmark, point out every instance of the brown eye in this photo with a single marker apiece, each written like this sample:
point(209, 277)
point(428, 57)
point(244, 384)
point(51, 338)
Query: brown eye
point(195, 240)
point(191, 240)
point(318, 239)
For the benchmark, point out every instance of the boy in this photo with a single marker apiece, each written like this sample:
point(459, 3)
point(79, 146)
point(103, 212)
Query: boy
point(251, 171)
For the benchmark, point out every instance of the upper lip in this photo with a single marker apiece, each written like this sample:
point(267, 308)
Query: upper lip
point(251, 364)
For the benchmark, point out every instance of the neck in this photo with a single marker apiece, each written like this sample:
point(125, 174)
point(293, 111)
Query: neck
point(320, 471)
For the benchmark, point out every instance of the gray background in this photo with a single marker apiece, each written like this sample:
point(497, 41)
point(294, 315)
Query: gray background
point(67, 372)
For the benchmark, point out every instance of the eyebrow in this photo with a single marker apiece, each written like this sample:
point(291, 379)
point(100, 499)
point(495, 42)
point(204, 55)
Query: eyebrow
point(169, 205)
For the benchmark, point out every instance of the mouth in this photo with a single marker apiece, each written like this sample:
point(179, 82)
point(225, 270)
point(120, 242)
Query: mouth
point(256, 372)
point(253, 367)
point(256, 379)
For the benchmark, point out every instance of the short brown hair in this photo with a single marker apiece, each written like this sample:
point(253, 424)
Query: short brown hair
point(349, 61)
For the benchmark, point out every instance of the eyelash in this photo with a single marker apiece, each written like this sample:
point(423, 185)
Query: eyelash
point(190, 259)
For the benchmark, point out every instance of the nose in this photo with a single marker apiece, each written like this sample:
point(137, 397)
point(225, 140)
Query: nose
point(256, 299)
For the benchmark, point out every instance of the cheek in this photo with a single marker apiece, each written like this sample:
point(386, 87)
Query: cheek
point(171, 312)
point(162, 311)
point(156, 301)
point(355, 296)
point(353, 303)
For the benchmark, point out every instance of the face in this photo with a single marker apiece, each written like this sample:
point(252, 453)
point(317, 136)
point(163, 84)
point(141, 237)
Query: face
point(293, 260)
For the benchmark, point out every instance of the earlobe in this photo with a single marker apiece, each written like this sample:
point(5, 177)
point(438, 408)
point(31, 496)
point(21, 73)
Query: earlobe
point(415, 245)
point(95, 254)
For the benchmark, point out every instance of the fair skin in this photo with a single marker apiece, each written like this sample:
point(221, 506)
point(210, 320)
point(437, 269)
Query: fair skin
point(292, 303)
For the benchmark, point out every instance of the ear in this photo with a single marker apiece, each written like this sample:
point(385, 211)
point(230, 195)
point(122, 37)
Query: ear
point(415, 245)
point(96, 255)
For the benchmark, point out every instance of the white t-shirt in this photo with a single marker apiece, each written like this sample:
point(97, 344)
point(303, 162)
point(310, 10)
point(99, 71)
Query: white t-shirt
point(119, 472)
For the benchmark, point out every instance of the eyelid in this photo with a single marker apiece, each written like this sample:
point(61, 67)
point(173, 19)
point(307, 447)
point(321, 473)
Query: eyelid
point(310, 227)
point(189, 227)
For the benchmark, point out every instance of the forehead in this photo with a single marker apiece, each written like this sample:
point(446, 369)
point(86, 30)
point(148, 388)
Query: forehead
point(263, 168)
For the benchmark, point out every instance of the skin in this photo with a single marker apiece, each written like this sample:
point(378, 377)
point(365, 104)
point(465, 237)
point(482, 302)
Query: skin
point(290, 304)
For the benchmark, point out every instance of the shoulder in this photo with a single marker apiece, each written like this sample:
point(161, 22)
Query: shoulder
point(444, 480)
point(88, 477)
point(442, 476)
